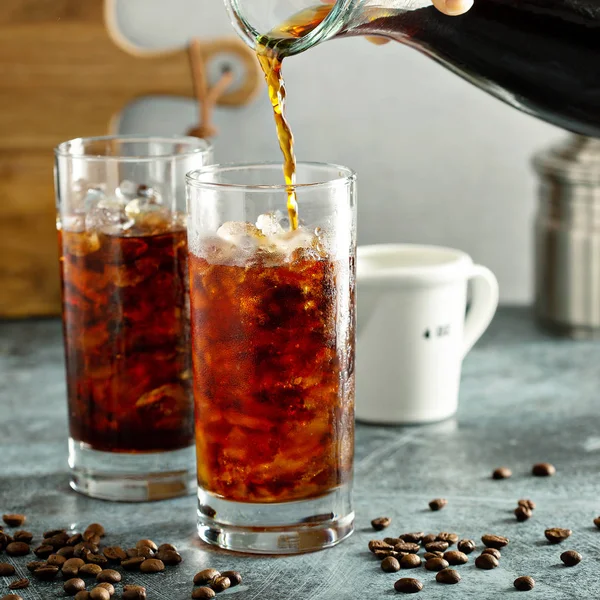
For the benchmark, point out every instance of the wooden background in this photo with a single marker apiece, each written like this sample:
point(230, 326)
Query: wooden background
point(61, 76)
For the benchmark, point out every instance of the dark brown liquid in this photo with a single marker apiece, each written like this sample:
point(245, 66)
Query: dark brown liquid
point(126, 333)
point(271, 62)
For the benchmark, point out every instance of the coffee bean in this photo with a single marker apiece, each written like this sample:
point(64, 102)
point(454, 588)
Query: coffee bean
point(234, 577)
point(381, 554)
point(530, 504)
point(57, 541)
point(427, 539)
point(220, 584)
point(597, 522)
point(12, 597)
point(375, 545)
point(114, 554)
point(390, 565)
point(437, 547)
point(72, 586)
point(449, 576)
point(408, 585)
point(445, 536)
point(134, 592)
point(410, 561)
point(6, 570)
point(99, 593)
point(52, 532)
point(494, 541)
point(43, 551)
point(145, 551)
point(486, 561)
point(407, 548)
point(413, 538)
point(502, 473)
point(132, 552)
point(556, 535)
point(133, 564)
point(17, 549)
point(438, 504)
point(89, 570)
point(380, 523)
point(109, 576)
point(96, 529)
point(14, 520)
point(543, 470)
point(19, 584)
point(167, 547)
point(56, 560)
point(152, 565)
point(392, 541)
point(31, 566)
point(82, 596)
point(435, 554)
point(109, 587)
point(5, 540)
point(73, 564)
point(66, 551)
point(525, 583)
point(23, 536)
point(436, 564)
point(205, 576)
point(570, 558)
point(82, 549)
point(75, 539)
point(466, 546)
point(46, 573)
point(203, 593)
point(494, 552)
point(97, 559)
point(523, 513)
point(455, 557)
point(92, 538)
point(147, 544)
point(169, 557)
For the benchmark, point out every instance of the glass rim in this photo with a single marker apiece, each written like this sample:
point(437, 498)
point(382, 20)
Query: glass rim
point(196, 146)
point(192, 178)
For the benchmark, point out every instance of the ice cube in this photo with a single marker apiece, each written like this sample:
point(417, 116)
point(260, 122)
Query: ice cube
point(270, 223)
point(127, 190)
point(290, 241)
point(108, 216)
point(243, 235)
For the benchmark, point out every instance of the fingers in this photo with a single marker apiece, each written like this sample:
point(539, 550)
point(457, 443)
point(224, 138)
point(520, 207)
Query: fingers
point(453, 8)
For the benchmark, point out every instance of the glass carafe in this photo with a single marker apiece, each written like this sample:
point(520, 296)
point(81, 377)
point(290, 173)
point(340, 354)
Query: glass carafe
point(540, 56)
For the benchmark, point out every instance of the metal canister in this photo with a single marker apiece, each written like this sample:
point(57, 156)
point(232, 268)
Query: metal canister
point(567, 238)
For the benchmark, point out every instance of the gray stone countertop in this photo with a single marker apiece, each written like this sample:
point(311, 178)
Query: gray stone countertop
point(525, 398)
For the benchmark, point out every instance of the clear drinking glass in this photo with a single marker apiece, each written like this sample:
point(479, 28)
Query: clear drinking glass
point(273, 327)
point(123, 258)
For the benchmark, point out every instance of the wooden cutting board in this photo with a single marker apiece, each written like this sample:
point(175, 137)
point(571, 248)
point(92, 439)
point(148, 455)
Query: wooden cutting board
point(62, 76)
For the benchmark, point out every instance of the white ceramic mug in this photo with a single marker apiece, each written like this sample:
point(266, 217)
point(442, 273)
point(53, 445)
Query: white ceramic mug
point(414, 329)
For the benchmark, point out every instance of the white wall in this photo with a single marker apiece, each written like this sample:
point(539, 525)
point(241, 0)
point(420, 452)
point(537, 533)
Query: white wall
point(438, 161)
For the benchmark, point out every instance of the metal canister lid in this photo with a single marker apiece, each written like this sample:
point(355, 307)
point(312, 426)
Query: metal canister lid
point(574, 160)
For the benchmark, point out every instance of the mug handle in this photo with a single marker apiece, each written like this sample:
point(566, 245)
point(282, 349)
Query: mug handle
point(484, 302)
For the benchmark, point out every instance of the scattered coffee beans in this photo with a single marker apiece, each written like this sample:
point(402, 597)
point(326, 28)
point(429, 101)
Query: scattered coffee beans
point(6, 570)
point(543, 470)
point(89, 570)
point(556, 535)
point(134, 592)
point(17, 549)
point(530, 504)
point(436, 564)
point(19, 584)
point(410, 561)
point(112, 576)
point(408, 585)
point(235, 577)
point(449, 576)
point(523, 513)
point(14, 520)
point(494, 552)
point(46, 573)
point(570, 558)
point(23, 536)
point(466, 546)
point(486, 561)
point(71, 567)
point(203, 593)
point(109, 587)
point(132, 564)
point(99, 593)
point(494, 541)
point(390, 565)
point(525, 583)
point(455, 557)
point(436, 547)
point(72, 586)
point(502, 473)
point(152, 565)
point(220, 584)
point(380, 523)
point(438, 504)
point(31, 566)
